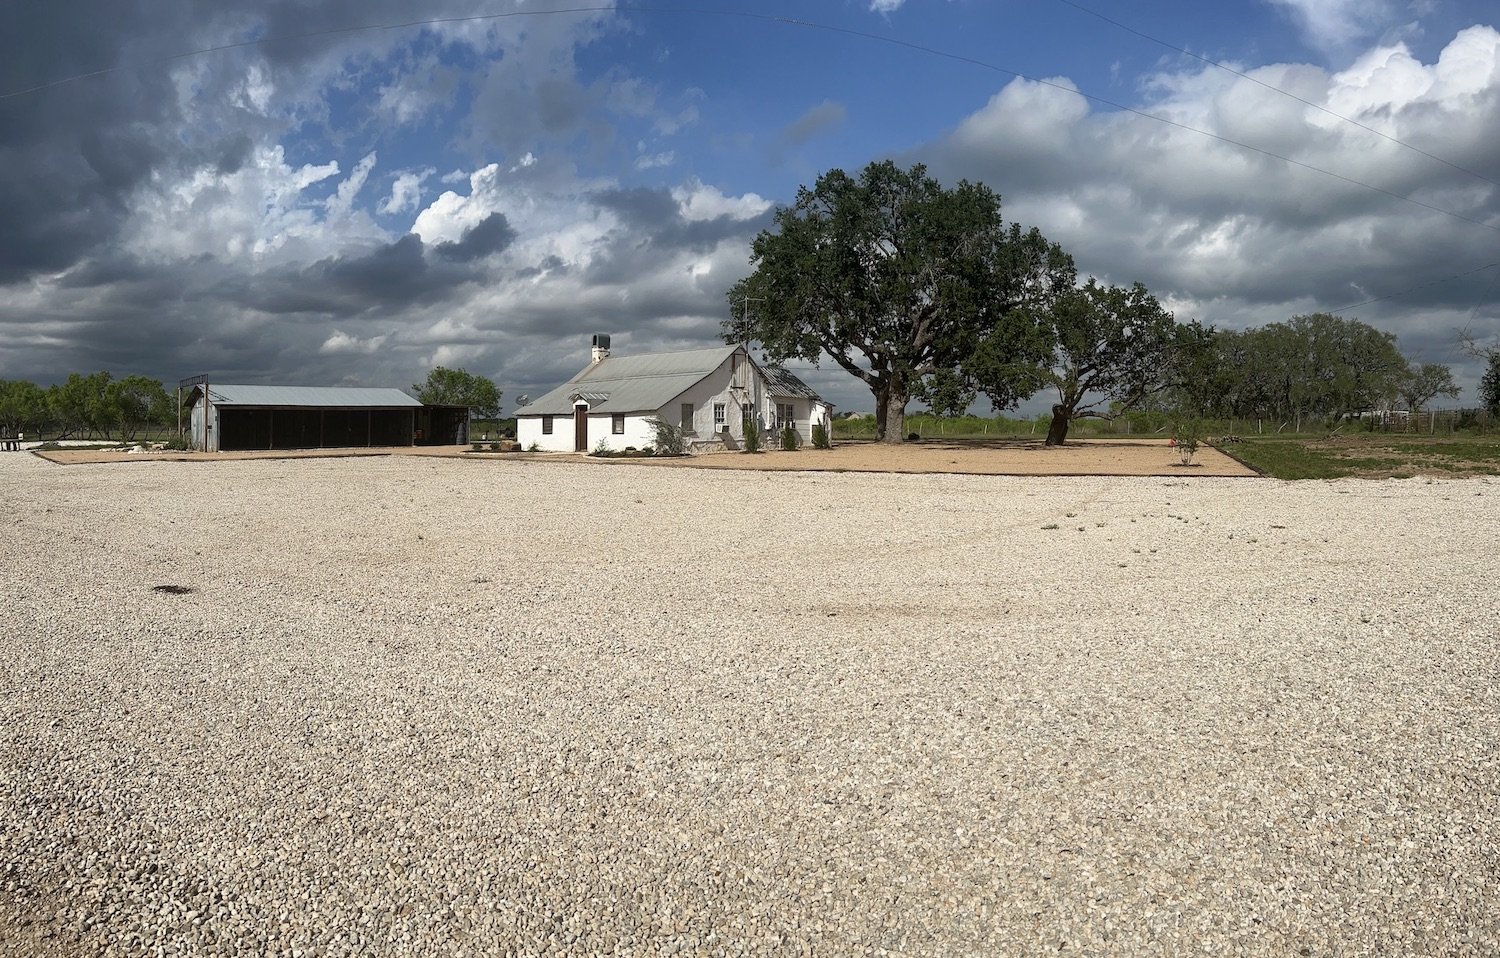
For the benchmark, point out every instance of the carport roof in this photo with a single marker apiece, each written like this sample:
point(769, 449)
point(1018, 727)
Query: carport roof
point(344, 397)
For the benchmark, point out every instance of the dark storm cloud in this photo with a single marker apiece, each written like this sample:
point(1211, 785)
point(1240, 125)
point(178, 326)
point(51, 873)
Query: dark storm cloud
point(491, 235)
point(652, 226)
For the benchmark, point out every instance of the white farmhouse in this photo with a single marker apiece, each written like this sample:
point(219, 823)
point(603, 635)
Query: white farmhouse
point(709, 392)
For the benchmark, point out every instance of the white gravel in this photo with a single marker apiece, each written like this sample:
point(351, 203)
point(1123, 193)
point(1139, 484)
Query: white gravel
point(433, 707)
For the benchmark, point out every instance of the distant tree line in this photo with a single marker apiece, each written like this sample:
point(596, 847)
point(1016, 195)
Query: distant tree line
point(923, 292)
point(87, 406)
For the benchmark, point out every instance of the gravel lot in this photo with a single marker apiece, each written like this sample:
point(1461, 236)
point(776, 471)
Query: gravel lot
point(431, 707)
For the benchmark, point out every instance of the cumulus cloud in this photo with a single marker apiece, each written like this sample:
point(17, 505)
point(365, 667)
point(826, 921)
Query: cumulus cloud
point(1237, 237)
point(886, 6)
point(1337, 24)
point(406, 192)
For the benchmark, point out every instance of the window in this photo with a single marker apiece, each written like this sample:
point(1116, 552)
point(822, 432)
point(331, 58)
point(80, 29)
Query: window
point(786, 414)
point(546, 425)
point(687, 417)
point(720, 417)
point(618, 422)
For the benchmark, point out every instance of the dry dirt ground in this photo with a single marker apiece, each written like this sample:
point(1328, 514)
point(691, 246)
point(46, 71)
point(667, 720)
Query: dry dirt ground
point(1106, 457)
point(435, 706)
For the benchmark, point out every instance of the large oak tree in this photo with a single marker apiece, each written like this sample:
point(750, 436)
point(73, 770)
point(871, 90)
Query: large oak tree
point(1102, 349)
point(895, 278)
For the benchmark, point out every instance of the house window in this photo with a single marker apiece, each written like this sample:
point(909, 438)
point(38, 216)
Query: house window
point(546, 425)
point(786, 414)
point(687, 417)
point(618, 422)
point(721, 417)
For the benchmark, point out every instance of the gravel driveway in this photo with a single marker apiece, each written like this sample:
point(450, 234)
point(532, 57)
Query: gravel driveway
point(433, 707)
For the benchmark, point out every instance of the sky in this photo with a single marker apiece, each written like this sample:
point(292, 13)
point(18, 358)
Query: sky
point(324, 193)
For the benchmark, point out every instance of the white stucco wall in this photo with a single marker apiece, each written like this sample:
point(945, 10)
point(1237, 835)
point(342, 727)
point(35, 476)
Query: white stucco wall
point(714, 388)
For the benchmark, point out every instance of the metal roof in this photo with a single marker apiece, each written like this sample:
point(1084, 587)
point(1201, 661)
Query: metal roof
point(346, 397)
point(643, 383)
point(782, 382)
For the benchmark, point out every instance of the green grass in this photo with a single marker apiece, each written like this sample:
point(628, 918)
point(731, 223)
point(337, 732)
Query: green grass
point(1372, 456)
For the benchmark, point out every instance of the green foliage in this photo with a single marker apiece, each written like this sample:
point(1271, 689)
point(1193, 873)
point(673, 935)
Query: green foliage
point(601, 448)
point(894, 277)
point(752, 435)
point(820, 439)
point(458, 387)
point(1420, 384)
point(534, 447)
point(1312, 366)
point(23, 407)
point(789, 438)
point(667, 438)
point(177, 444)
point(1094, 345)
point(1489, 384)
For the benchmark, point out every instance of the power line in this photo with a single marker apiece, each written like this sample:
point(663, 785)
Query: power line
point(788, 21)
point(1276, 89)
point(1413, 289)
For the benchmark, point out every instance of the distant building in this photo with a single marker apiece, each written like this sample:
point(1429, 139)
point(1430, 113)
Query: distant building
point(709, 392)
point(239, 417)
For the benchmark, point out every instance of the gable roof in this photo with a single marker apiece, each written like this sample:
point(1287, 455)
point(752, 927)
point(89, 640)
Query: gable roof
point(782, 382)
point(642, 383)
point(308, 396)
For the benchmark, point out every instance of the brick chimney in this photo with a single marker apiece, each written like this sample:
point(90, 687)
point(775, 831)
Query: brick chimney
point(601, 347)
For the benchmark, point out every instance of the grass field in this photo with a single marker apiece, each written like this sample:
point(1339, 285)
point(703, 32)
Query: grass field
point(1371, 456)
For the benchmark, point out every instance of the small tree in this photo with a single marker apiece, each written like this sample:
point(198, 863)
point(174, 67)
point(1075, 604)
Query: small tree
point(820, 438)
point(1187, 434)
point(1422, 384)
point(752, 434)
point(458, 387)
point(1489, 385)
point(789, 438)
point(667, 438)
point(1106, 350)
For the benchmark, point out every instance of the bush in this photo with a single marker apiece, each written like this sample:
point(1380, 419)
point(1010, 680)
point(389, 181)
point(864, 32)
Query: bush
point(477, 446)
point(177, 444)
point(820, 437)
point(494, 447)
point(534, 447)
point(789, 438)
point(1186, 435)
point(668, 440)
point(912, 437)
point(752, 435)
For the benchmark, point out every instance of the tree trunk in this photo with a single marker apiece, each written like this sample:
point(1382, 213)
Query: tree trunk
point(1057, 433)
point(895, 417)
point(882, 395)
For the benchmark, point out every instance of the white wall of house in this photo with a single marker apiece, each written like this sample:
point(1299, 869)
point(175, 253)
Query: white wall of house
point(805, 414)
point(714, 390)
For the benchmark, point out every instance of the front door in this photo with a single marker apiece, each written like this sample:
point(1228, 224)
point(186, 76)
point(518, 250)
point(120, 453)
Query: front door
point(580, 429)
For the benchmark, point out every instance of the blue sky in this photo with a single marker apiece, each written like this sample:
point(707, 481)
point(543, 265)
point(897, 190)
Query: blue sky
point(356, 206)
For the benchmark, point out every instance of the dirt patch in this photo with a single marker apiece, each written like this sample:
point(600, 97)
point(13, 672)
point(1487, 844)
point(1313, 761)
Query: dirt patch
point(994, 457)
point(978, 457)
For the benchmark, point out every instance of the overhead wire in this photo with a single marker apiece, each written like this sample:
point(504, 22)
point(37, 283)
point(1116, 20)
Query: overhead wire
point(1420, 286)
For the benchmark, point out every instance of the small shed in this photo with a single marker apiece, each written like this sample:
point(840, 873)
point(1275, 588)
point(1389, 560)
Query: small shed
point(242, 417)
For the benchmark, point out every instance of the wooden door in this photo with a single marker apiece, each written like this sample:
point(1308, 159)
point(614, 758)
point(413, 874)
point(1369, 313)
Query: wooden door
point(580, 429)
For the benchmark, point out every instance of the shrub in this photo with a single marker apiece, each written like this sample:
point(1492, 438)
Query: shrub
point(912, 437)
point(789, 438)
point(667, 439)
point(752, 435)
point(1186, 435)
point(494, 447)
point(177, 444)
point(478, 446)
point(534, 447)
point(601, 448)
point(820, 437)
